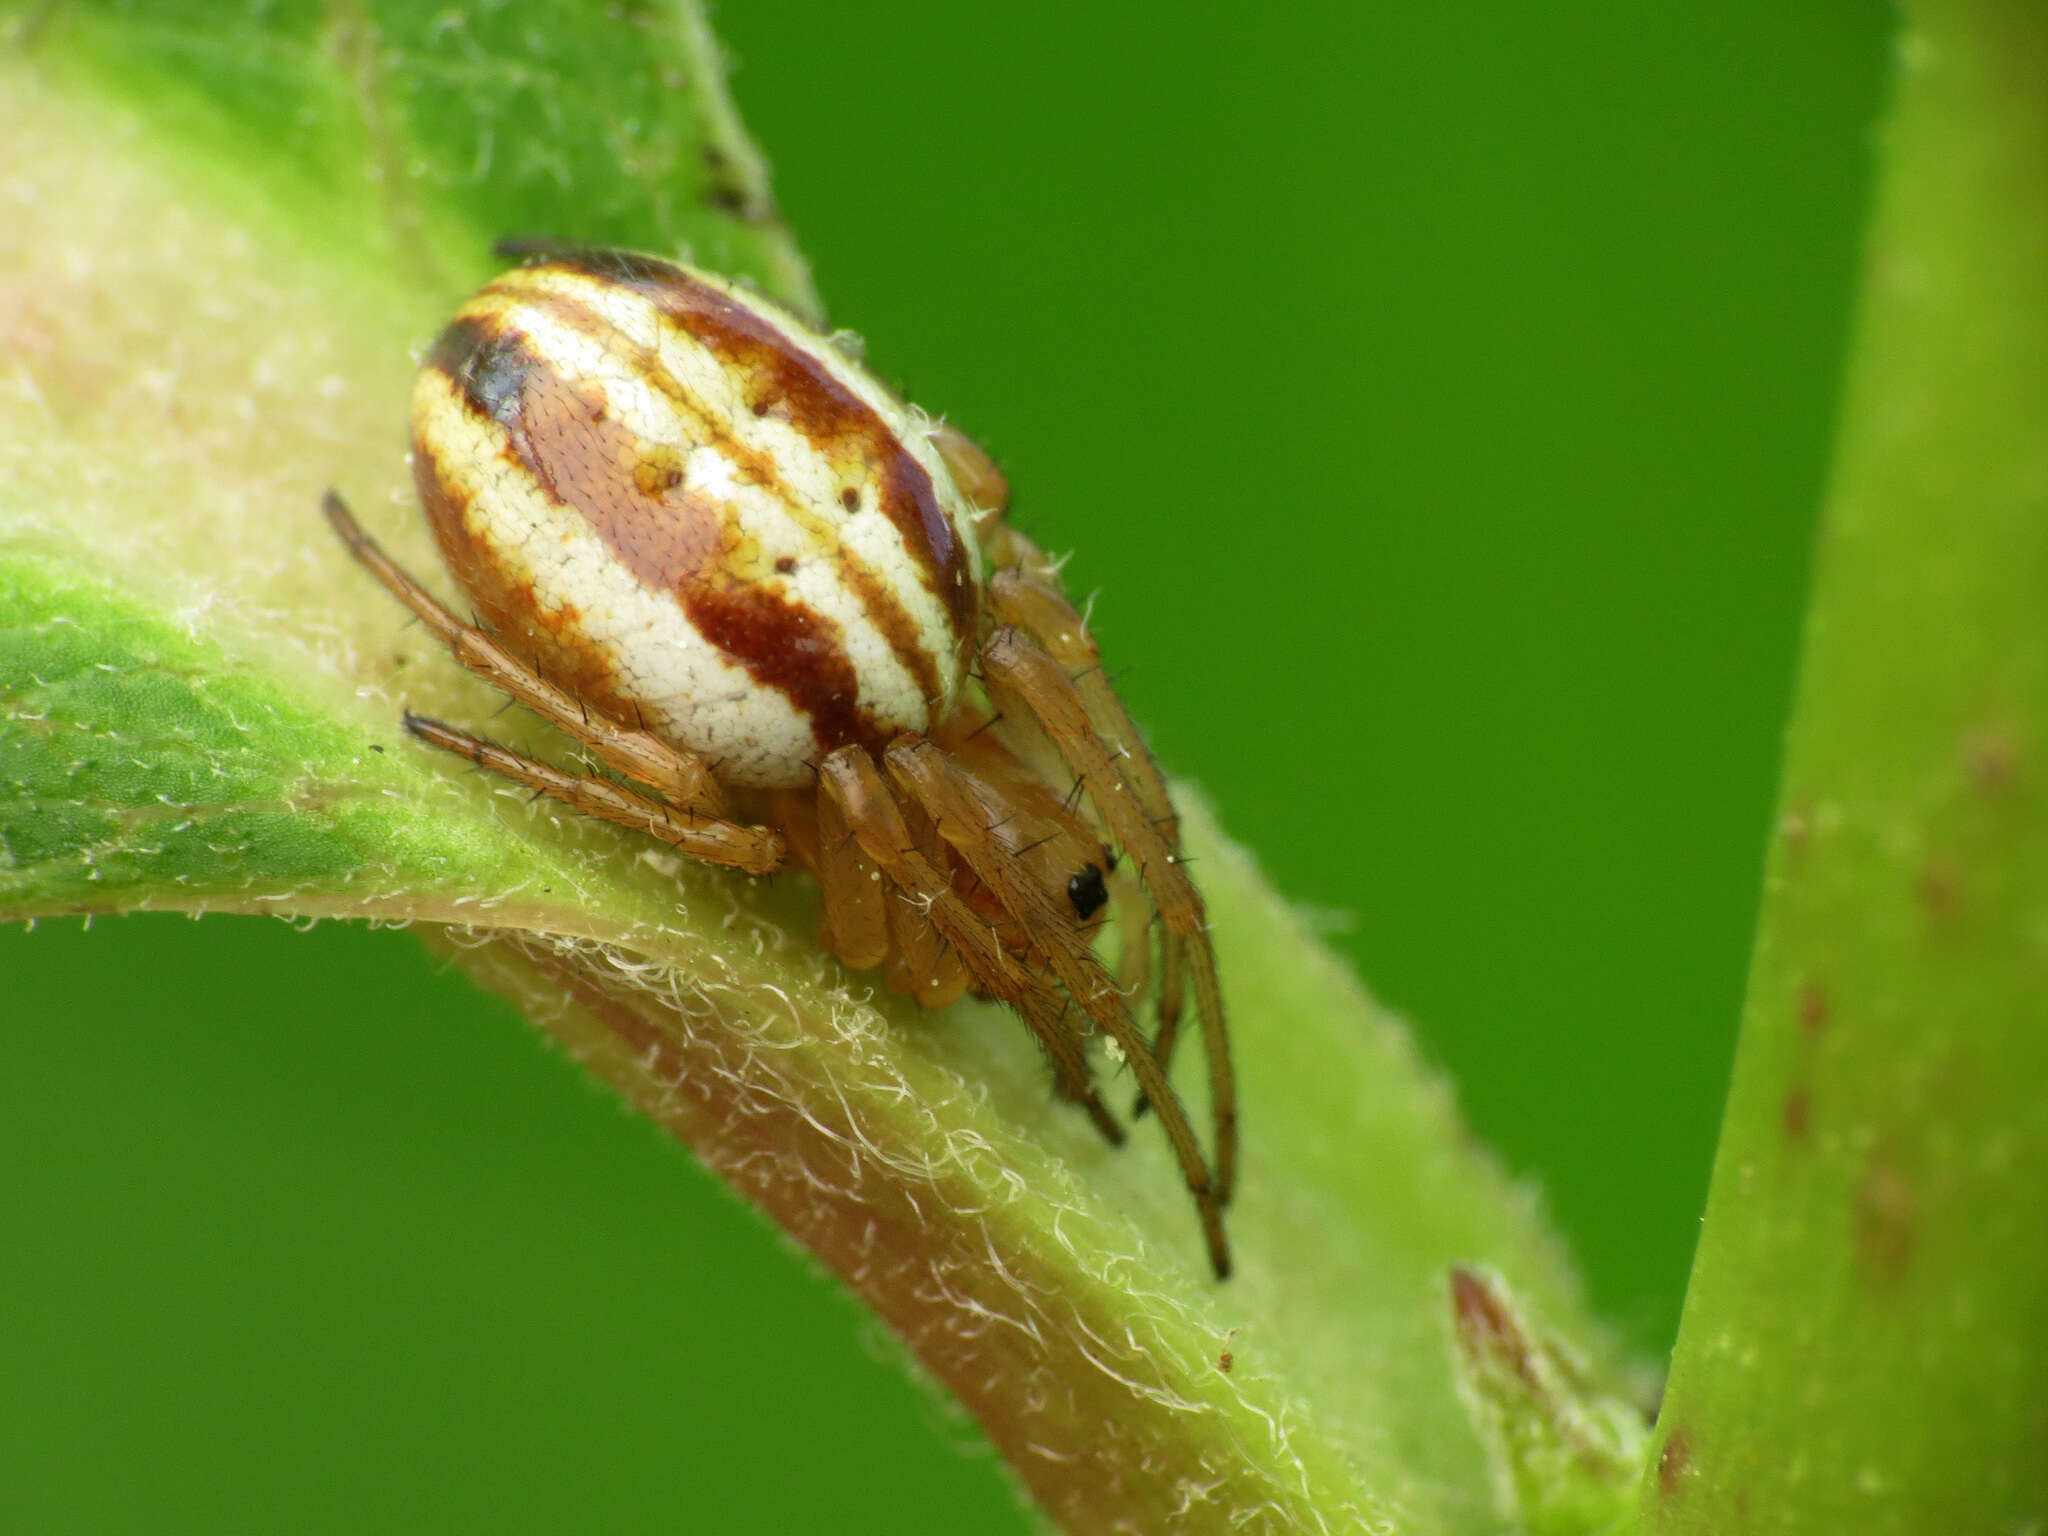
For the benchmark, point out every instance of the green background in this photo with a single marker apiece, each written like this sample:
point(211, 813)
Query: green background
point(1439, 399)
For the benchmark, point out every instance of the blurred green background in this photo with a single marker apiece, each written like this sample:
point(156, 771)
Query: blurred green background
point(1439, 398)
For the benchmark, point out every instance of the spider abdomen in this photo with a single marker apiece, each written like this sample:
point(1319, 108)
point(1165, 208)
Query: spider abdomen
point(689, 507)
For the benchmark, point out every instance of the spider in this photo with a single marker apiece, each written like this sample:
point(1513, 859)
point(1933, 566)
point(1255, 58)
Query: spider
point(745, 577)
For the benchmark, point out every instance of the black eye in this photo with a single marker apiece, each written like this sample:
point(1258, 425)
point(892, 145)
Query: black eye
point(1086, 892)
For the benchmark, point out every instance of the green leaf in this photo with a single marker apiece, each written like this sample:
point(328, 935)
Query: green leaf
point(1864, 1344)
point(202, 695)
point(1568, 1455)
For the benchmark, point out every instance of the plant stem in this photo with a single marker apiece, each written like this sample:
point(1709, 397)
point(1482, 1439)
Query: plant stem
point(1865, 1344)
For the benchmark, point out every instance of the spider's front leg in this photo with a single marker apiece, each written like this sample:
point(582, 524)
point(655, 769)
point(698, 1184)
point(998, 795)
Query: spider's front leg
point(853, 796)
point(1046, 663)
point(968, 813)
point(1022, 673)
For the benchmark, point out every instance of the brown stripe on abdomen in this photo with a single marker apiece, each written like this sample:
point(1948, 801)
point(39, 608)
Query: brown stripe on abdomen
point(837, 421)
point(659, 469)
point(785, 646)
point(563, 440)
point(551, 641)
point(563, 433)
point(896, 627)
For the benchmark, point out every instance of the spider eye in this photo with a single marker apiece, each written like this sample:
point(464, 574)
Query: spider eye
point(1085, 890)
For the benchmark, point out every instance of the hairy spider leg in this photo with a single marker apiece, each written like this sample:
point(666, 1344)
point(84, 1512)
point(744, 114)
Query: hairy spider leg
point(1026, 584)
point(1035, 604)
point(681, 778)
point(966, 811)
point(934, 969)
point(866, 806)
point(756, 850)
point(1017, 668)
point(686, 812)
point(916, 958)
point(1134, 928)
point(856, 911)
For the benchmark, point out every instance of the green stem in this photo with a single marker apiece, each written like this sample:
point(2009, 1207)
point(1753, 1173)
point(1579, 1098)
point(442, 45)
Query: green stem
point(1865, 1345)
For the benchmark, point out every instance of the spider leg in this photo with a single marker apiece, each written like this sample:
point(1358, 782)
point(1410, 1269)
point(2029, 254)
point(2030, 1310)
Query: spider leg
point(1127, 787)
point(976, 475)
point(1021, 557)
point(757, 850)
point(1173, 953)
point(961, 810)
point(1025, 592)
point(938, 975)
point(856, 909)
point(869, 921)
point(849, 779)
point(682, 778)
point(1134, 933)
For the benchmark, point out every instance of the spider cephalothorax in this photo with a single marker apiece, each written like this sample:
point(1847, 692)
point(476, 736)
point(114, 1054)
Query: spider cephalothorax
point(720, 555)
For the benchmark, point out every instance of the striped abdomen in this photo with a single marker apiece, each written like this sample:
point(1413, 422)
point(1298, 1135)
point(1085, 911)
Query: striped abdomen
point(691, 508)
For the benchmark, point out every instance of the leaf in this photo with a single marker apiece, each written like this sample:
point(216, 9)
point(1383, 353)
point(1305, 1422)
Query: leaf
point(1568, 1458)
point(202, 701)
point(1864, 1345)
